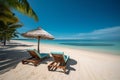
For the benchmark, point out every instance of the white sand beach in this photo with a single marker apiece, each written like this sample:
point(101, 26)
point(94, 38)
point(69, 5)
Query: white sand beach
point(83, 65)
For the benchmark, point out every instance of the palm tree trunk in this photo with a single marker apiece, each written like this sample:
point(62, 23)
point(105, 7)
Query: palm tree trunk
point(4, 40)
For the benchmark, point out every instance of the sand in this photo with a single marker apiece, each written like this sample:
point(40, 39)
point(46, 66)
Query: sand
point(82, 65)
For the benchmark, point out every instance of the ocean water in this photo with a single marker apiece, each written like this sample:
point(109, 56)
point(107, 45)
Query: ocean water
point(110, 47)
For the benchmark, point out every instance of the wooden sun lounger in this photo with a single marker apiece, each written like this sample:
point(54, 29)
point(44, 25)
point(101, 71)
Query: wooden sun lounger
point(60, 61)
point(35, 58)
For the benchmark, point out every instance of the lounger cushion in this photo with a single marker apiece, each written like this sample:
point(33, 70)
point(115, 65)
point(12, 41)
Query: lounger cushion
point(57, 52)
point(30, 49)
point(40, 55)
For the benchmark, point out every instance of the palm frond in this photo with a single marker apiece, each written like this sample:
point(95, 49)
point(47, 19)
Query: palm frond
point(23, 7)
point(6, 14)
point(14, 26)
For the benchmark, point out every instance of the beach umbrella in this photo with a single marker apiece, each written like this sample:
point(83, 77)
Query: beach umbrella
point(38, 34)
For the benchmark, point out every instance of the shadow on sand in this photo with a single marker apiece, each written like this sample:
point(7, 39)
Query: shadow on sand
point(69, 65)
point(9, 58)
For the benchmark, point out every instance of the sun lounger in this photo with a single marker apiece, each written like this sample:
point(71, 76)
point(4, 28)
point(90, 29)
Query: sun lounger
point(60, 61)
point(35, 58)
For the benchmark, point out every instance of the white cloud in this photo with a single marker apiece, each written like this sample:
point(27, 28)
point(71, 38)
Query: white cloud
point(107, 30)
point(107, 33)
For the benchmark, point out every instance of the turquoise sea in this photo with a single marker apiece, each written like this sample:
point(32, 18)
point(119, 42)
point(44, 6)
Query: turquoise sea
point(110, 47)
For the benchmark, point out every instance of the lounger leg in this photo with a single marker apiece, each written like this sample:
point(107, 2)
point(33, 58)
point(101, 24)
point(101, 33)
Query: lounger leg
point(50, 66)
point(24, 62)
point(64, 69)
point(62, 66)
point(30, 60)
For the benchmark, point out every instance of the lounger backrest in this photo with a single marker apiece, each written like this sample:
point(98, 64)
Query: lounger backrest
point(58, 56)
point(34, 53)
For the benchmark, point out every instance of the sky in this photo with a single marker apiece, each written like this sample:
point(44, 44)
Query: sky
point(75, 19)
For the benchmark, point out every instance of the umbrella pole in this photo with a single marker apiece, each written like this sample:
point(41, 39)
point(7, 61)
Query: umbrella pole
point(38, 44)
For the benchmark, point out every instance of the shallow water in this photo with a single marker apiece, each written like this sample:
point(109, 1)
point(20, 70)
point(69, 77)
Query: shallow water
point(112, 47)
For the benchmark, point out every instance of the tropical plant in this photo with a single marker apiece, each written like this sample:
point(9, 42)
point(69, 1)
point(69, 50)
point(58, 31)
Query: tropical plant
point(8, 31)
point(8, 20)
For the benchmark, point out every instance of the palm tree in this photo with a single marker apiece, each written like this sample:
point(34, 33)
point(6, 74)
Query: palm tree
point(8, 21)
point(20, 5)
point(9, 31)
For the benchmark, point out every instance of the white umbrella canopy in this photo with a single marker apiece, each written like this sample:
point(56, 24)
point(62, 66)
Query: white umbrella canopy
point(38, 34)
